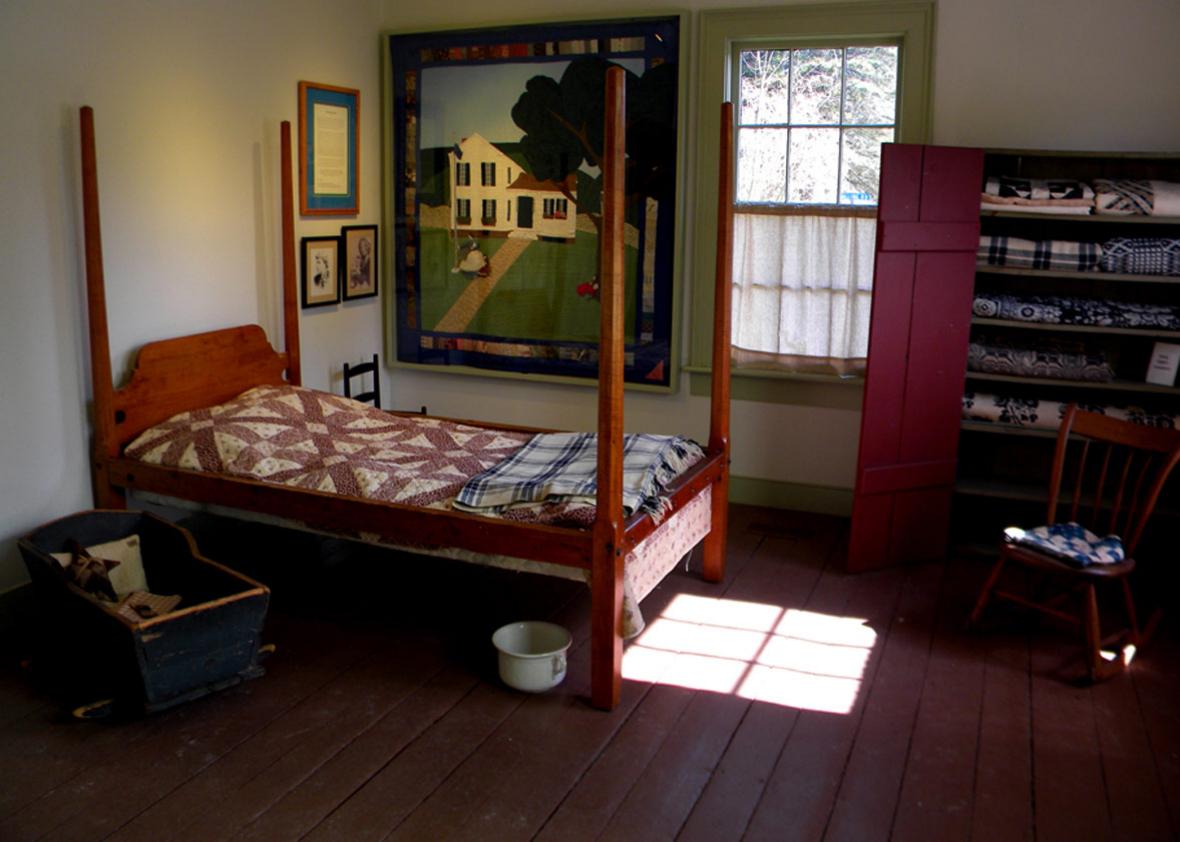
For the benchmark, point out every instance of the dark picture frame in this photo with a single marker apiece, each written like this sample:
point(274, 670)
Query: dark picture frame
point(493, 195)
point(359, 274)
point(329, 150)
point(320, 260)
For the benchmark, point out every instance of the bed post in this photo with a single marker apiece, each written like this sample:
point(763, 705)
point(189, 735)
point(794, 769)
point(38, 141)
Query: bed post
point(105, 444)
point(290, 290)
point(606, 642)
point(714, 544)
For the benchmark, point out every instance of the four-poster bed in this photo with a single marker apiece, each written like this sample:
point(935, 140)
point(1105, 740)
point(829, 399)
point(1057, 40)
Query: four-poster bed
point(193, 372)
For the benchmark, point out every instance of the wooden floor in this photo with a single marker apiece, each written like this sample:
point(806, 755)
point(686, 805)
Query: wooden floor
point(873, 715)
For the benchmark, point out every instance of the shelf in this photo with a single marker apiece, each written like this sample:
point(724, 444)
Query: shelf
point(996, 428)
point(1083, 218)
point(1151, 333)
point(1114, 385)
point(1026, 493)
point(1094, 275)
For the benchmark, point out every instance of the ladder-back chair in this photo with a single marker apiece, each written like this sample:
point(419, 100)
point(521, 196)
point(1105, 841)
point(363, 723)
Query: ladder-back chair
point(371, 367)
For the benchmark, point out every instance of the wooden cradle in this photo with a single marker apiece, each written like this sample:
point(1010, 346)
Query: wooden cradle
point(201, 370)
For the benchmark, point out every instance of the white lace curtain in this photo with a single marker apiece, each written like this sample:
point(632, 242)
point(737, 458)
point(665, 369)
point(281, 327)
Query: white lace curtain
point(802, 291)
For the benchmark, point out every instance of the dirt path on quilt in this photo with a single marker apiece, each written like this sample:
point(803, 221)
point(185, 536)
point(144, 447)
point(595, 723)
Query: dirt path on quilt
point(477, 292)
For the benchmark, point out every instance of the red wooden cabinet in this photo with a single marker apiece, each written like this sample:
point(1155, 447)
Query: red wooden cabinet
point(927, 238)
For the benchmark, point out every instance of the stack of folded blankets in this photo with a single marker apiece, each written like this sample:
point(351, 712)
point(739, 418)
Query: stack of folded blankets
point(1107, 196)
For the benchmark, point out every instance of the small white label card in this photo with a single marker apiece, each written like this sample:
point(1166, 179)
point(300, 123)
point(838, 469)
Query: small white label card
point(1165, 359)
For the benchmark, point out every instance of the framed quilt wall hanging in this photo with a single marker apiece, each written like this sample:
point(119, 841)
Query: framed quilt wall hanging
point(494, 195)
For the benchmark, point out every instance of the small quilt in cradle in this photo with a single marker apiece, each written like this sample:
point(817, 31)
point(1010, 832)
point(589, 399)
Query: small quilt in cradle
point(1069, 542)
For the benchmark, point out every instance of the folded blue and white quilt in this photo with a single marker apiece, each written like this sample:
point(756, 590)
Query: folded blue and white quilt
point(1069, 542)
point(564, 466)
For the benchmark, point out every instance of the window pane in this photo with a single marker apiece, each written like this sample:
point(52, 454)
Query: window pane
point(765, 75)
point(815, 87)
point(862, 165)
point(815, 163)
point(762, 165)
point(870, 85)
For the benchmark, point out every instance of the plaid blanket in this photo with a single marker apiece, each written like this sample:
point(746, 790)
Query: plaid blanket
point(564, 466)
point(1039, 254)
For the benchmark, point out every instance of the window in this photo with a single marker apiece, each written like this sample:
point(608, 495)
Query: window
point(487, 174)
point(811, 123)
point(816, 91)
point(489, 212)
point(462, 175)
point(555, 208)
point(463, 211)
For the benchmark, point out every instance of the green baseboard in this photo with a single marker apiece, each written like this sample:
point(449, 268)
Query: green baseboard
point(821, 499)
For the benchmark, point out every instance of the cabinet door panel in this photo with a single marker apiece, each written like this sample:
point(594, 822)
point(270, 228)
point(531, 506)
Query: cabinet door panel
point(924, 277)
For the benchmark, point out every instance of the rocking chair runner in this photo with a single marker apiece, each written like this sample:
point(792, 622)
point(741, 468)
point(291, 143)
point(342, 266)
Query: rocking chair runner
point(1117, 469)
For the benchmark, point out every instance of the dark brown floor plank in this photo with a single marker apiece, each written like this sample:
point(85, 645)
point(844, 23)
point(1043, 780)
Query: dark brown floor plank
point(867, 798)
point(314, 799)
point(798, 806)
point(259, 771)
point(416, 771)
point(728, 801)
point(1069, 793)
point(1137, 811)
point(381, 716)
point(550, 740)
point(1157, 687)
point(658, 804)
point(172, 746)
point(1003, 779)
point(937, 792)
point(163, 775)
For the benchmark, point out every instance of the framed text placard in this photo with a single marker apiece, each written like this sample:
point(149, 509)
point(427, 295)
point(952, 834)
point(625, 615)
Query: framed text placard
point(495, 194)
point(329, 150)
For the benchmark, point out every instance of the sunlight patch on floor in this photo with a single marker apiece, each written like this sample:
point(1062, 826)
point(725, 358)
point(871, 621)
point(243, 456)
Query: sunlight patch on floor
point(785, 656)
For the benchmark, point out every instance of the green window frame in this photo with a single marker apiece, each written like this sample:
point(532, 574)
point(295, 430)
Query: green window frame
point(910, 25)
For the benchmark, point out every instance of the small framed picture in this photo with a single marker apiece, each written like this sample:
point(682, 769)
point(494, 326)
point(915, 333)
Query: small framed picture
point(321, 270)
point(358, 277)
point(329, 149)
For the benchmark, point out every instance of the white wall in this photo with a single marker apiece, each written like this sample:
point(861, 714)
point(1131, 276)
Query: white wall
point(188, 97)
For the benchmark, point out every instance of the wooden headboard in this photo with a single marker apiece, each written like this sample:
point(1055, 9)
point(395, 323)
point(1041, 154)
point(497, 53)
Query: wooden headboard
point(188, 372)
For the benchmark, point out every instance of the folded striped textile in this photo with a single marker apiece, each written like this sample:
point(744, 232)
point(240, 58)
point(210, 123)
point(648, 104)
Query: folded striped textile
point(1141, 256)
point(564, 466)
point(1073, 310)
point(1047, 415)
point(1127, 197)
point(1055, 358)
point(1037, 189)
point(1063, 255)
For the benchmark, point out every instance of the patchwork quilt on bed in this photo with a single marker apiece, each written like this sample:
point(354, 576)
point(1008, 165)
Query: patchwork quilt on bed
point(314, 440)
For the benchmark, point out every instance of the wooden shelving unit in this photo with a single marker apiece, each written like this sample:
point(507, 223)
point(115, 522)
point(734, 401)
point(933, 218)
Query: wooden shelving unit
point(1002, 468)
